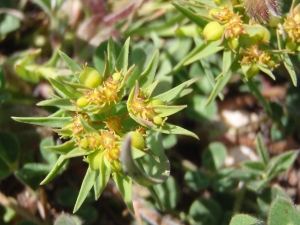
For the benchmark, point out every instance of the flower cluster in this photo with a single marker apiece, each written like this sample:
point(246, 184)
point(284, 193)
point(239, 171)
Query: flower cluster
point(292, 28)
point(99, 112)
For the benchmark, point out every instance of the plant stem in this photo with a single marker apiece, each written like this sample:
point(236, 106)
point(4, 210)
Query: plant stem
point(239, 198)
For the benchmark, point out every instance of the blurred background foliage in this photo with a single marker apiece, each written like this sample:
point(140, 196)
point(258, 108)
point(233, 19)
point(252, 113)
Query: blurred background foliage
point(244, 162)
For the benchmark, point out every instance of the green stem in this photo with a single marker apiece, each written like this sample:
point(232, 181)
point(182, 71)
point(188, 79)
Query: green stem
point(239, 198)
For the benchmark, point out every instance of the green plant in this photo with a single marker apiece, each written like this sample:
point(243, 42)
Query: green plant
point(247, 46)
point(112, 133)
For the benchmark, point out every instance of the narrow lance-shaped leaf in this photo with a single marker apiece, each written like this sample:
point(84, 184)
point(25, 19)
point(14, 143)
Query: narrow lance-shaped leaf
point(111, 56)
point(221, 83)
point(174, 93)
point(122, 61)
point(228, 58)
point(192, 16)
point(71, 64)
point(56, 168)
point(204, 50)
point(61, 89)
point(147, 77)
point(63, 149)
point(124, 184)
point(209, 75)
point(280, 163)
point(85, 188)
point(166, 110)
point(89, 129)
point(102, 178)
point(155, 196)
point(287, 61)
point(63, 103)
point(44, 121)
point(261, 149)
point(266, 70)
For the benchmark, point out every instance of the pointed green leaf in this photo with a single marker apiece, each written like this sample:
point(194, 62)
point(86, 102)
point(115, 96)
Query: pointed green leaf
point(85, 188)
point(73, 153)
point(286, 59)
point(111, 56)
point(204, 50)
point(266, 70)
point(280, 163)
point(228, 58)
point(192, 16)
point(45, 121)
point(261, 149)
point(147, 77)
point(173, 129)
point(155, 196)
point(174, 93)
point(168, 192)
point(290, 68)
point(166, 110)
point(56, 168)
point(89, 129)
point(102, 178)
point(208, 73)
point(63, 103)
point(124, 184)
point(63, 149)
point(122, 61)
point(221, 83)
point(148, 90)
point(71, 64)
point(254, 167)
point(63, 91)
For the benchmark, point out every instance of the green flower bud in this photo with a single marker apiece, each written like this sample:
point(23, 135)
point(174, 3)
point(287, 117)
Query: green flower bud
point(116, 76)
point(213, 31)
point(137, 140)
point(114, 153)
point(252, 71)
point(82, 102)
point(291, 46)
point(90, 77)
point(157, 120)
point(212, 13)
point(83, 143)
point(233, 43)
point(264, 35)
point(115, 166)
point(94, 159)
